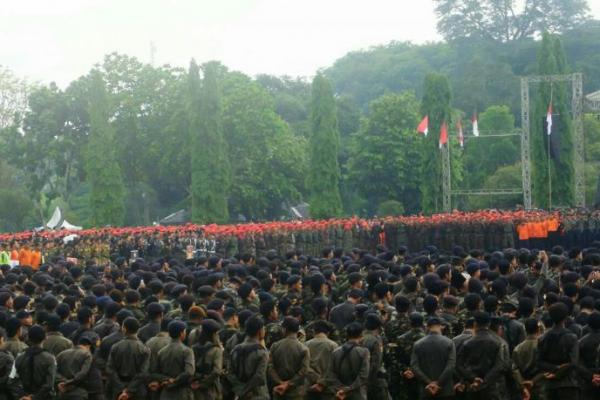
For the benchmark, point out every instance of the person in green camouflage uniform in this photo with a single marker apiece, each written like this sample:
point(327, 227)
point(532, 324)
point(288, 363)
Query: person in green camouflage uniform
point(373, 341)
point(405, 343)
point(273, 330)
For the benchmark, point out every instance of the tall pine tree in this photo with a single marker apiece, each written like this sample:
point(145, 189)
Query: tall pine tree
point(552, 61)
point(324, 170)
point(102, 168)
point(210, 163)
point(435, 104)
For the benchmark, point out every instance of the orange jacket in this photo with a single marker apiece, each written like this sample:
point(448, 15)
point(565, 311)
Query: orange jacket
point(36, 259)
point(24, 257)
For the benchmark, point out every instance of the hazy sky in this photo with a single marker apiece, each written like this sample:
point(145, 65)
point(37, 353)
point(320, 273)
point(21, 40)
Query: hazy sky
point(59, 40)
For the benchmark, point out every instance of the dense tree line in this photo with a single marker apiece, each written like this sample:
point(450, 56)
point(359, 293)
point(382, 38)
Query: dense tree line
point(129, 143)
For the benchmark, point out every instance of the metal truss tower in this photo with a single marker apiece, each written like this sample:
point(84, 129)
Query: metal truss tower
point(577, 102)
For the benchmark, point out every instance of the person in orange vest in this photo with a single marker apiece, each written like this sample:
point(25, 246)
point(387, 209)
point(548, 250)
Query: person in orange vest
point(25, 255)
point(36, 257)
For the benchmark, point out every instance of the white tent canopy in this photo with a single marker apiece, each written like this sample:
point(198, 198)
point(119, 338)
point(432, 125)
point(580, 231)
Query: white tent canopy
point(59, 222)
point(55, 220)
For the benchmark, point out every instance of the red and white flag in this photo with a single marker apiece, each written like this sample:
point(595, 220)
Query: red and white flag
point(549, 120)
point(475, 125)
point(443, 134)
point(461, 136)
point(423, 127)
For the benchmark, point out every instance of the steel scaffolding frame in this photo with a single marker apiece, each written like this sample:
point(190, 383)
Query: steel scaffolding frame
point(525, 133)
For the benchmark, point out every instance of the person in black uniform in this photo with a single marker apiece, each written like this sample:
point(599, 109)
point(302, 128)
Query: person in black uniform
point(558, 356)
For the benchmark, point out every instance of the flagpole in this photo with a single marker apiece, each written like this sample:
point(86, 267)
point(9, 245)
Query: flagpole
point(549, 161)
point(549, 177)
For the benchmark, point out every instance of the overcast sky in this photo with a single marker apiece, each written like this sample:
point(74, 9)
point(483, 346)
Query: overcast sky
point(59, 40)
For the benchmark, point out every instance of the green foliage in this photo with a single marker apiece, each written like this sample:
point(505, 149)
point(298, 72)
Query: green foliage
point(13, 98)
point(390, 208)
point(435, 104)
point(483, 156)
point(210, 163)
point(292, 101)
point(551, 60)
point(482, 73)
point(591, 127)
point(80, 212)
point(348, 115)
point(324, 171)
point(268, 161)
point(244, 145)
point(102, 168)
point(505, 20)
point(17, 211)
point(505, 177)
point(384, 153)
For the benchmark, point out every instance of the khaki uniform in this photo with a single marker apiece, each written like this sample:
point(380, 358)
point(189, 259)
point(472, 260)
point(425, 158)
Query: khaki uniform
point(349, 370)
point(175, 361)
point(321, 350)
point(37, 381)
point(377, 387)
point(14, 346)
point(56, 343)
point(73, 369)
point(524, 367)
point(127, 367)
point(156, 344)
point(209, 368)
point(248, 372)
point(310, 330)
point(289, 361)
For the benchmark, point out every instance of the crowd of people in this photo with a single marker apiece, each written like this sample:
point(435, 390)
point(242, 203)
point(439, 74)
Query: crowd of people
point(486, 229)
point(118, 321)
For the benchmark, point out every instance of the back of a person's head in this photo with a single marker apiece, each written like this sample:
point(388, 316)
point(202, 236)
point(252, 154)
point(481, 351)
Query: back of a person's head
point(164, 325)
point(122, 315)
point(594, 321)
point(291, 324)
point(131, 325)
point(402, 304)
point(430, 304)
point(472, 301)
point(416, 320)
point(111, 309)
point(36, 334)
point(12, 327)
point(84, 315)
point(354, 330)
point(63, 310)
point(185, 301)
point(490, 304)
point(176, 328)
point(267, 307)
point(411, 283)
point(253, 325)
point(321, 326)
point(373, 321)
point(558, 312)
point(531, 326)
point(229, 313)
point(53, 323)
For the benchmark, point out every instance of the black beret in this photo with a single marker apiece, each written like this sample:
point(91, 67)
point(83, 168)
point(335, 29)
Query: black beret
point(175, 328)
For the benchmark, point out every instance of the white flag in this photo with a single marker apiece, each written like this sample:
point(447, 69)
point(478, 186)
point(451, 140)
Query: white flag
point(475, 125)
point(549, 120)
